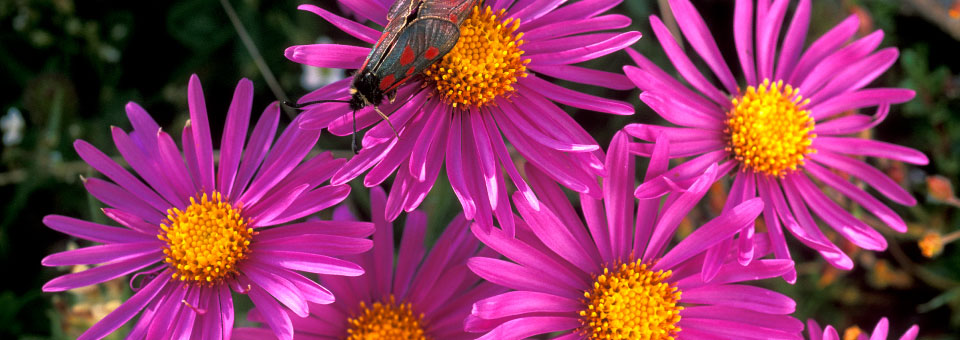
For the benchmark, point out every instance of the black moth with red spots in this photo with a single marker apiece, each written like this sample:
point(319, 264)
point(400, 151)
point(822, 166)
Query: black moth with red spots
point(418, 34)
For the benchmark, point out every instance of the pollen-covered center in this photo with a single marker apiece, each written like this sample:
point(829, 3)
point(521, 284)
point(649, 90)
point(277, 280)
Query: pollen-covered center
point(484, 64)
point(386, 321)
point(769, 130)
point(633, 302)
point(206, 241)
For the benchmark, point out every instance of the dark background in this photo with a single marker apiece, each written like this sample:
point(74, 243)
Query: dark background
point(68, 67)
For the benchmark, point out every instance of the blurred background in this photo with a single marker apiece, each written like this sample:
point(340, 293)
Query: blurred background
point(67, 68)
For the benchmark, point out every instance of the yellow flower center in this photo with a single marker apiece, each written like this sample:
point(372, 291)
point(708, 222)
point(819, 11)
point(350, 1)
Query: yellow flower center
point(206, 240)
point(769, 130)
point(631, 303)
point(484, 64)
point(386, 321)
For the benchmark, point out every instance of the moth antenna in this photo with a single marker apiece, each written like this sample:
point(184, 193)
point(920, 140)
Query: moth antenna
point(388, 121)
point(353, 139)
point(301, 106)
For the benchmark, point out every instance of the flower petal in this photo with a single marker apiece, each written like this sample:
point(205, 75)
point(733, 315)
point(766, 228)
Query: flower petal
point(93, 231)
point(700, 38)
point(355, 29)
point(872, 148)
point(524, 302)
point(522, 328)
point(126, 311)
point(234, 134)
point(328, 55)
point(103, 273)
point(574, 98)
point(201, 134)
point(100, 254)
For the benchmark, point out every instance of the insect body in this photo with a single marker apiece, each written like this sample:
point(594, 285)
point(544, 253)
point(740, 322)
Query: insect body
point(418, 34)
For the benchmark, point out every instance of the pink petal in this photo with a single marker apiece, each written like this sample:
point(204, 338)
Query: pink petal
point(822, 47)
point(684, 65)
point(103, 273)
point(870, 175)
point(865, 200)
point(100, 253)
point(328, 55)
point(566, 28)
point(574, 98)
point(257, 147)
point(700, 38)
point(105, 165)
point(523, 302)
point(125, 311)
point(348, 26)
point(274, 315)
point(741, 296)
point(873, 148)
point(201, 134)
point(278, 287)
point(586, 52)
point(793, 41)
point(94, 231)
point(411, 251)
point(860, 99)
point(234, 133)
point(712, 232)
point(319, 264)
point(743, 38)
point(517, 277)
point(528, 326)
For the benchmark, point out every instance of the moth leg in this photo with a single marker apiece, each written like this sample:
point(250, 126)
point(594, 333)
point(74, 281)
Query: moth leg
point(353, 139)
point(387, 119)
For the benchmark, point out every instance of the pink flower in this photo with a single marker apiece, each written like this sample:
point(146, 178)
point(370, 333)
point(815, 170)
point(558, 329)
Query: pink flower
point(422, 297)
point(455, 112)
point(879, 332)
point(193, 232)
point(783, 130)
point(616, 275)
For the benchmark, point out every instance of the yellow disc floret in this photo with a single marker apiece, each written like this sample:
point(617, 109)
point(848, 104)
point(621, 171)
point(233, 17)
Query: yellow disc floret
point(484, 64)
point(632, 302)
point(769, 130)
point(206, 241)
point(386, 321)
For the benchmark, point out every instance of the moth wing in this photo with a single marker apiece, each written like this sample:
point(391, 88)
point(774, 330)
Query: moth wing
point(422, 43)
point(397, 18)
point(403, 9)
point(453, 10)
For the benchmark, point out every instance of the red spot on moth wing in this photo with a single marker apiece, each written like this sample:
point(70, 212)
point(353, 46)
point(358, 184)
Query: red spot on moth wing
point(431, 53)
point(407, 57)
point(397, 85)
point(386, 82)
point(411, 70)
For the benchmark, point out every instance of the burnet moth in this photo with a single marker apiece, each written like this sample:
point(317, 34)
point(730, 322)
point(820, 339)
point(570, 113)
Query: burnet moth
point(418, 34)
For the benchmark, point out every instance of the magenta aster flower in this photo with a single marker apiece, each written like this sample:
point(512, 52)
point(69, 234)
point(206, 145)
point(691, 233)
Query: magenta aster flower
point(880, 332)
point(420, 298)
point(783, 130)
point(617, 277)
point(193, 233)
point(490, 83)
